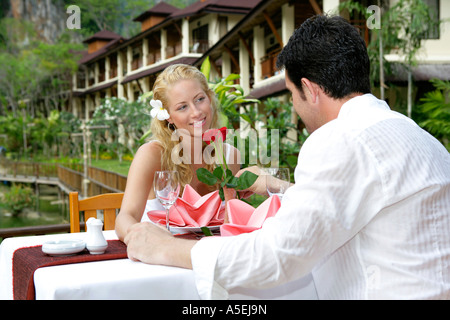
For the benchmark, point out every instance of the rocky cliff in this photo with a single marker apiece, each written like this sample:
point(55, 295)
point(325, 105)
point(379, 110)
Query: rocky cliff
point(48, 16)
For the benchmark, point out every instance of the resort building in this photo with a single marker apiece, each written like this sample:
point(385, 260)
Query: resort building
point(126, 68)
point(242, 37)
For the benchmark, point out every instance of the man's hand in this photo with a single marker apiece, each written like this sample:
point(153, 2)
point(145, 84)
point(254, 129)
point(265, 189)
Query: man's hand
point(153, 244)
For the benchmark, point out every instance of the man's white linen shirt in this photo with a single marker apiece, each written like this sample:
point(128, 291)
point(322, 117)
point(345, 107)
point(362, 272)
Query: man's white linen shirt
point(368, 216)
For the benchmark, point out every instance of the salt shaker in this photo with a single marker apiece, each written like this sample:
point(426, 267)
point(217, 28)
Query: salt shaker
point(95, 243)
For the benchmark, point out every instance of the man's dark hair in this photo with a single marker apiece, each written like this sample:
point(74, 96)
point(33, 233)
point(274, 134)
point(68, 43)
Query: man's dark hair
point(330, 52)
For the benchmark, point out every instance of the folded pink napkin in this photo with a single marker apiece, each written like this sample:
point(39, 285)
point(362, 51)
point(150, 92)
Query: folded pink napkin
point(244, 218)
point(192, 210)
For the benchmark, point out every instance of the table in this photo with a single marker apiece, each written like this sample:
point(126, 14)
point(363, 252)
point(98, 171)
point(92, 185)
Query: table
point(123, 279)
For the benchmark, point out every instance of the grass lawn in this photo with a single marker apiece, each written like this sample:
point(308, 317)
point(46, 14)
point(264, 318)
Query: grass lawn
point(106, 164)
point(112, 165)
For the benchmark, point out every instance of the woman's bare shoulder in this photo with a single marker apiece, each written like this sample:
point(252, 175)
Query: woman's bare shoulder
point(148, 155)
point(151, 147)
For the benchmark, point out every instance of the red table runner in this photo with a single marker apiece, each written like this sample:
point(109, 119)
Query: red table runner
point(27, 260)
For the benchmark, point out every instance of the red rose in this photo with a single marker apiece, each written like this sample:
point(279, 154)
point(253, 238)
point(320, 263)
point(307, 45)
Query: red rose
point(212, 134)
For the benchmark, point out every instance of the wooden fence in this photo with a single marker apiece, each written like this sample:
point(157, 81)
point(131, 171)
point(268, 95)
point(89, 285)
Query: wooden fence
point(69, 176)
point(27, 169)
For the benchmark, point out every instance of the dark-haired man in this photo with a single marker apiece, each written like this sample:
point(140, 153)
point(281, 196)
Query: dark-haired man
point(369, 213)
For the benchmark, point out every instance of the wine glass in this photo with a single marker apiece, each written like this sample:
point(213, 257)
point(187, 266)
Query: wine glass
point(167, 188)
point(277, 181)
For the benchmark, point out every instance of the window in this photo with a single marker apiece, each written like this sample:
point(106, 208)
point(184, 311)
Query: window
point(200, 39)
point(223, 25)
point(200, 33)
point(433, 33)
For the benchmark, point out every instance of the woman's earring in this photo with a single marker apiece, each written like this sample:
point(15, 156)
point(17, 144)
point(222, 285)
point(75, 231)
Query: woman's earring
point(171, 127)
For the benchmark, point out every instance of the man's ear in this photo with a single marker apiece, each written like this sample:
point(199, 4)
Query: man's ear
point(311, 90)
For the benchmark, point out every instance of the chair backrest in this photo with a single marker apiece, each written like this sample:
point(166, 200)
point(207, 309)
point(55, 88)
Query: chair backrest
point(107, 202)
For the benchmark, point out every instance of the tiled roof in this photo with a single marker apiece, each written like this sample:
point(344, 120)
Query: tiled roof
point(206, 6)
point(225, 6)
point(249, 17)
point(155, 69)
point(269, 89)
point(161, 8)
point(89, 56)
point(103, 35)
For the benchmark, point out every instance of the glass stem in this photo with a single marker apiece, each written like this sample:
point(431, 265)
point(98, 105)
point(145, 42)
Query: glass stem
point(167, 219)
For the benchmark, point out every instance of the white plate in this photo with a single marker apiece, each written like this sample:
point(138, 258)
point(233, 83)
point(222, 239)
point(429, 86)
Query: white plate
point(63, 247)
point(182, 230)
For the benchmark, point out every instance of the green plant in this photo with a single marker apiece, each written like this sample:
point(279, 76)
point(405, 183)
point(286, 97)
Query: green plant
point(278, 117)
point(275, 115)
point(436, 108)
point(230, 97)
point(126, 122)
point(12, 128)
point(40, 136)
point(404, 26)
point(18, 198)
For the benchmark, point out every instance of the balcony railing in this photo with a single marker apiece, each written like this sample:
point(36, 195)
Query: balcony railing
point(136, 63)
point(200, 46)
point(153, 57)
point(81, 82)
point(268, 64)
point(113, 73)
point(173, 50)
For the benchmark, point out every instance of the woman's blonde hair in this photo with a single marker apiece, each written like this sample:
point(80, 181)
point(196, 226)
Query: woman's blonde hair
point(162, 131)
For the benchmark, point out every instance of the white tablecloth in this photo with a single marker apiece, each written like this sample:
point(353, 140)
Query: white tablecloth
point(122, 278)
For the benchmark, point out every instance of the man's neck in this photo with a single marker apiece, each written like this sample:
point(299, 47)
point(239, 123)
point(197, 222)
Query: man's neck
point(333, 106)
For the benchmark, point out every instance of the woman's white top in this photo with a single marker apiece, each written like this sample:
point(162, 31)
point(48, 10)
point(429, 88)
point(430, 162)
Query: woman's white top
point(151, 205)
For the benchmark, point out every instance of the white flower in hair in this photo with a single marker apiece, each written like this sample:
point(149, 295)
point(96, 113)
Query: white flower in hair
point(158, 111)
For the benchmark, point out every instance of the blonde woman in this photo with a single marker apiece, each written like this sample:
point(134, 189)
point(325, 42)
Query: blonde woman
point(183, 108)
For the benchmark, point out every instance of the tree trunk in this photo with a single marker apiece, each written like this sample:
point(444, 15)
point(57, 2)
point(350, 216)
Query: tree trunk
point(380, 34)
point(409, 92)
point(381, 68)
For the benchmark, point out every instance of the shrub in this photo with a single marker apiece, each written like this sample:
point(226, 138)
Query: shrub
point(436, 109)
point(18, 198)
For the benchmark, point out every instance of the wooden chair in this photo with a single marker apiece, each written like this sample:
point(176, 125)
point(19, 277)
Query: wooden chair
point(108, 202)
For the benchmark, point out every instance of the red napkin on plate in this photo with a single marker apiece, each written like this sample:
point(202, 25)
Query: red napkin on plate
point(192, 210)
point(244, 218)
